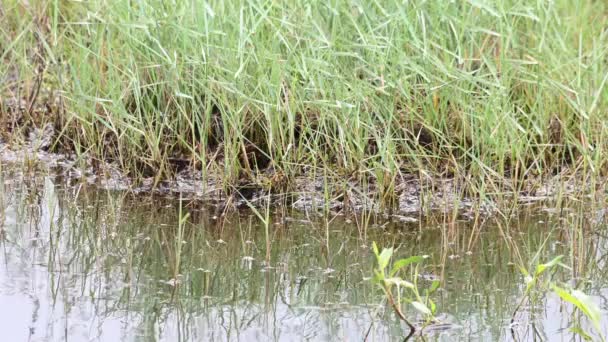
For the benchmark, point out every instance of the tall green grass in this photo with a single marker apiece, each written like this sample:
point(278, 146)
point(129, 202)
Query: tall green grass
point(367, 91)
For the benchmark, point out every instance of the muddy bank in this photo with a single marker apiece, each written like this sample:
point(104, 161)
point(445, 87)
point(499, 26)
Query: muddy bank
point(414, 196)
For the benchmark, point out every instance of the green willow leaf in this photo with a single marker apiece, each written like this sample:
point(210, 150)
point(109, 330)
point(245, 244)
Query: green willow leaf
point(401, 263)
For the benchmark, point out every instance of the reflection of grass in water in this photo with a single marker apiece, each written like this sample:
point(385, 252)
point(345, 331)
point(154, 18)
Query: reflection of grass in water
point(105, 238)
point(143, 251)
point(482, 92)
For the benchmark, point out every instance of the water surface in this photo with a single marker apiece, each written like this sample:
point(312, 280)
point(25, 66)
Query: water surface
point(80, 264)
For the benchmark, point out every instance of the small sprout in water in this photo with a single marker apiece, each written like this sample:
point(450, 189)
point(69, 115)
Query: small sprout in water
point(386, 275)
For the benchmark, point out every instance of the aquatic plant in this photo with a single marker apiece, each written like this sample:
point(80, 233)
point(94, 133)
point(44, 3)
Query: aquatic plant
point(538, 284)
point(399, 291)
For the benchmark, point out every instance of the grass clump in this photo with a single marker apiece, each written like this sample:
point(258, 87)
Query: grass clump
point(482, 91)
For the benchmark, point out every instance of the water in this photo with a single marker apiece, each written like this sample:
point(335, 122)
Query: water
point(80, 264)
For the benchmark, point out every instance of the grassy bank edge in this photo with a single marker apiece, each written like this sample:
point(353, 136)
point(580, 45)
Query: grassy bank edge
point(498, 97)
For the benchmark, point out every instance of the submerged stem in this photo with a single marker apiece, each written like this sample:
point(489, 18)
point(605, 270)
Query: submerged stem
point(399, 313)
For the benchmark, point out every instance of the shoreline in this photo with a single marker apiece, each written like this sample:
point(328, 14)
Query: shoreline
point(414, 199)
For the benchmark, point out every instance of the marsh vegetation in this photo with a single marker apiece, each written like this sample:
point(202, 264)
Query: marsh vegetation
point(500, 97)
point(319, 170)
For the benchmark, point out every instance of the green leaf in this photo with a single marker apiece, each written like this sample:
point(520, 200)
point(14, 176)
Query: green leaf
point(401, 263)
point(422, 308)
point(530, 282)
point(582, 333)
point(524, 271)
point(434, 286)
point(589, 307)
point(582, 302)
point(543, 267)
point(433, 306)
point(375, 249)
point(378, 277)
point(384, 258)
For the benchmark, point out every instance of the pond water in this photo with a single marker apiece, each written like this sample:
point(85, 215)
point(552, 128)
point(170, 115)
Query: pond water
point(83, 264)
